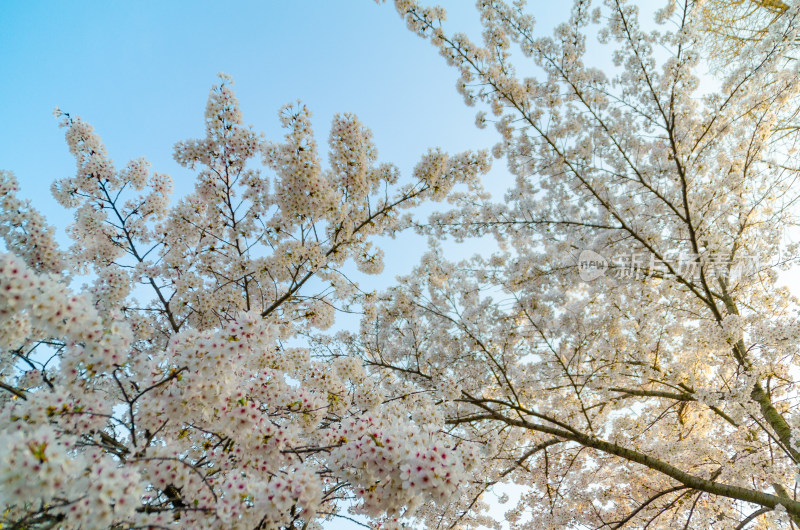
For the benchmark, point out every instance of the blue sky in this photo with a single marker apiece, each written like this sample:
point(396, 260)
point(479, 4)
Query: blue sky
point(140, 73)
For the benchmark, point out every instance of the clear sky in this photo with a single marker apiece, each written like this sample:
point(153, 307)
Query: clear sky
point(140, 73)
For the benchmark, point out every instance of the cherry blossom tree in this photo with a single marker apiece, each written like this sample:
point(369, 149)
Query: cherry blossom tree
point(178, 388)
point(627, 359)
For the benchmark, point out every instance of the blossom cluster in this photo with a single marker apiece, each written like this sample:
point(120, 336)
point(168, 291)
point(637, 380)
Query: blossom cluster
point(395, 465)
point(23, 227)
